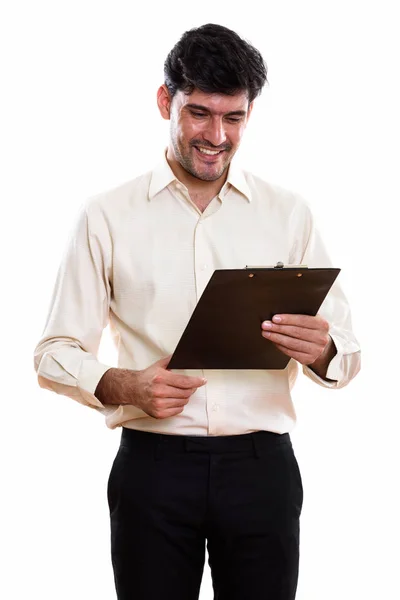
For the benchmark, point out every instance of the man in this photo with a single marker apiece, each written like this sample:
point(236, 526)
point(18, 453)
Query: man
point(205, 456)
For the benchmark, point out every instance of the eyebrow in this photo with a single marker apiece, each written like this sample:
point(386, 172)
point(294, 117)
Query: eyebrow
point(238, 113)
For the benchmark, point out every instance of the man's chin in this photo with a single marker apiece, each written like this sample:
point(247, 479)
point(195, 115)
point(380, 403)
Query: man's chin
point(210, 174)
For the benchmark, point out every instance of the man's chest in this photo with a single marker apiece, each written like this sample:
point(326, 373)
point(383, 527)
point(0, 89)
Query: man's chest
point(158, 259)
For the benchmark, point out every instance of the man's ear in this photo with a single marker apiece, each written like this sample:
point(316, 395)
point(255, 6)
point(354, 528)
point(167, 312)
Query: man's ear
point(250, 109)
point(164, 101)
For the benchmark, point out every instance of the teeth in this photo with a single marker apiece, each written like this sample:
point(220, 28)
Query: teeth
point(211, 152)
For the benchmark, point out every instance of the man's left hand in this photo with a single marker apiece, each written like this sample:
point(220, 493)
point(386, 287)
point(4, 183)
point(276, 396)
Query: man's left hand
point(304, 338)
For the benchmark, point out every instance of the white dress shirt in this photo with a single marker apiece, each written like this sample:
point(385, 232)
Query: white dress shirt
point(139, 258)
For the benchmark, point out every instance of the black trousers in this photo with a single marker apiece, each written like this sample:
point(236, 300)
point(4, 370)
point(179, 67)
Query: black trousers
point(170, 495)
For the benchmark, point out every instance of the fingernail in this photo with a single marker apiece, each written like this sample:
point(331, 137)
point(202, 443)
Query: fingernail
point(204, 380)
point(267, 324)
point(277, 319)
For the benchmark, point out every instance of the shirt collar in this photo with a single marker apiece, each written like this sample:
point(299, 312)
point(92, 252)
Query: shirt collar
point(162, 175)
point(237, 179)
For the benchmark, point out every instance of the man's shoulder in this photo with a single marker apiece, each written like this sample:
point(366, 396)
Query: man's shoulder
point(122, 196)
point(264, 190)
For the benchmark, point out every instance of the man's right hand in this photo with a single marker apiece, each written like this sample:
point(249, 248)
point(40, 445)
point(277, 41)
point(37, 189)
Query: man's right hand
point(155, 390)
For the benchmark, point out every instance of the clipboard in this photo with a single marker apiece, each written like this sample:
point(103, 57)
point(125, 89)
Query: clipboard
point(224, 331)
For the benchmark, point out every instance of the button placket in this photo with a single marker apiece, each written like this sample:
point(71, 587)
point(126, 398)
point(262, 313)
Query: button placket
point(202, 258)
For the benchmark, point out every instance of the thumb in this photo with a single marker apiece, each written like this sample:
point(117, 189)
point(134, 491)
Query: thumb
point(163, 362)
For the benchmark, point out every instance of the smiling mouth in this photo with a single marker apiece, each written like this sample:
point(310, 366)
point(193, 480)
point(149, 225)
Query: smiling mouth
point(208, 152)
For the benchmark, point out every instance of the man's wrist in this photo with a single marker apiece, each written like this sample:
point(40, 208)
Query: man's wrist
point(117, 386)
point(320, 366)
point(105, 385)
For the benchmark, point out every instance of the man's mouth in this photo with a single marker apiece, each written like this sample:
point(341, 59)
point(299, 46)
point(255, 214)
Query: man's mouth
point(208, 151)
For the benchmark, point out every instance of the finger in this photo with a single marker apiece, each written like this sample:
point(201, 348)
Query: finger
point(302, 333)
point(169, 412)
point(163, 362)
point(182, 381)
point(301, 357)
point(290, 343)
point(175, 380)
point(306, 321)
point(160, 404)
point(167, 391)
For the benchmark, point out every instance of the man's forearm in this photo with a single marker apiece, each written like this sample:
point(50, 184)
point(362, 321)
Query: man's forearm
point(320, 366)
point(115, 387)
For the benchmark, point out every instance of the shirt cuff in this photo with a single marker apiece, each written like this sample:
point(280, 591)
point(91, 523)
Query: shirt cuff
point(334, 370)
point(89, 376)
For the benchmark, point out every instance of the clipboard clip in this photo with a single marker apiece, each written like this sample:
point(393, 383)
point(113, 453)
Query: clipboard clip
point(279, 265)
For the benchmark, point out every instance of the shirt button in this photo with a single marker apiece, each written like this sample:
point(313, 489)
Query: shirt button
point(215, 407)
point(203, 267)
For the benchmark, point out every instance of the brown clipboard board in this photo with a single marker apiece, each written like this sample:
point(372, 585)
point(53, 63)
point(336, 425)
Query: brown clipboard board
point(224, 331)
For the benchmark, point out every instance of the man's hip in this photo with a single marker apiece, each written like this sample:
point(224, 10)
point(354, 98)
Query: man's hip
point(169, 495)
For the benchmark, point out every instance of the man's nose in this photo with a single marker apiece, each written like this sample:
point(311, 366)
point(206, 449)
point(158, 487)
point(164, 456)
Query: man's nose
point(215, 132)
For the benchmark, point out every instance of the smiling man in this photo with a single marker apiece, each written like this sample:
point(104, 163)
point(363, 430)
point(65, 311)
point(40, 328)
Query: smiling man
point(205, 456)
point(206, 130)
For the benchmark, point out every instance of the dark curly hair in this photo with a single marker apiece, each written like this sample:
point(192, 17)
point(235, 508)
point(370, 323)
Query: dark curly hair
point(214, 59)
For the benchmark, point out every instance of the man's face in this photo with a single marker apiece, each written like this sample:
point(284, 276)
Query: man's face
point(206, 130)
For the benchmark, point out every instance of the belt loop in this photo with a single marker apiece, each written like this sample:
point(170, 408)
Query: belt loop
point(256, 446)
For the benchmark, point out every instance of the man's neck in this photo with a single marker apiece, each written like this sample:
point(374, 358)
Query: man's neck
point(201, 192)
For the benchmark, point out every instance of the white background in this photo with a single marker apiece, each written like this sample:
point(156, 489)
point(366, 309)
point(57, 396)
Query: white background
point(79, 116)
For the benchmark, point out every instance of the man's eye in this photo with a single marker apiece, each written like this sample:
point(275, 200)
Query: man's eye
point(234, 119)
point(198, 114)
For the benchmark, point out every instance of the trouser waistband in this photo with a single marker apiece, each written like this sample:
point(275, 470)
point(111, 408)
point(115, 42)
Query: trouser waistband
point(146, 441)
